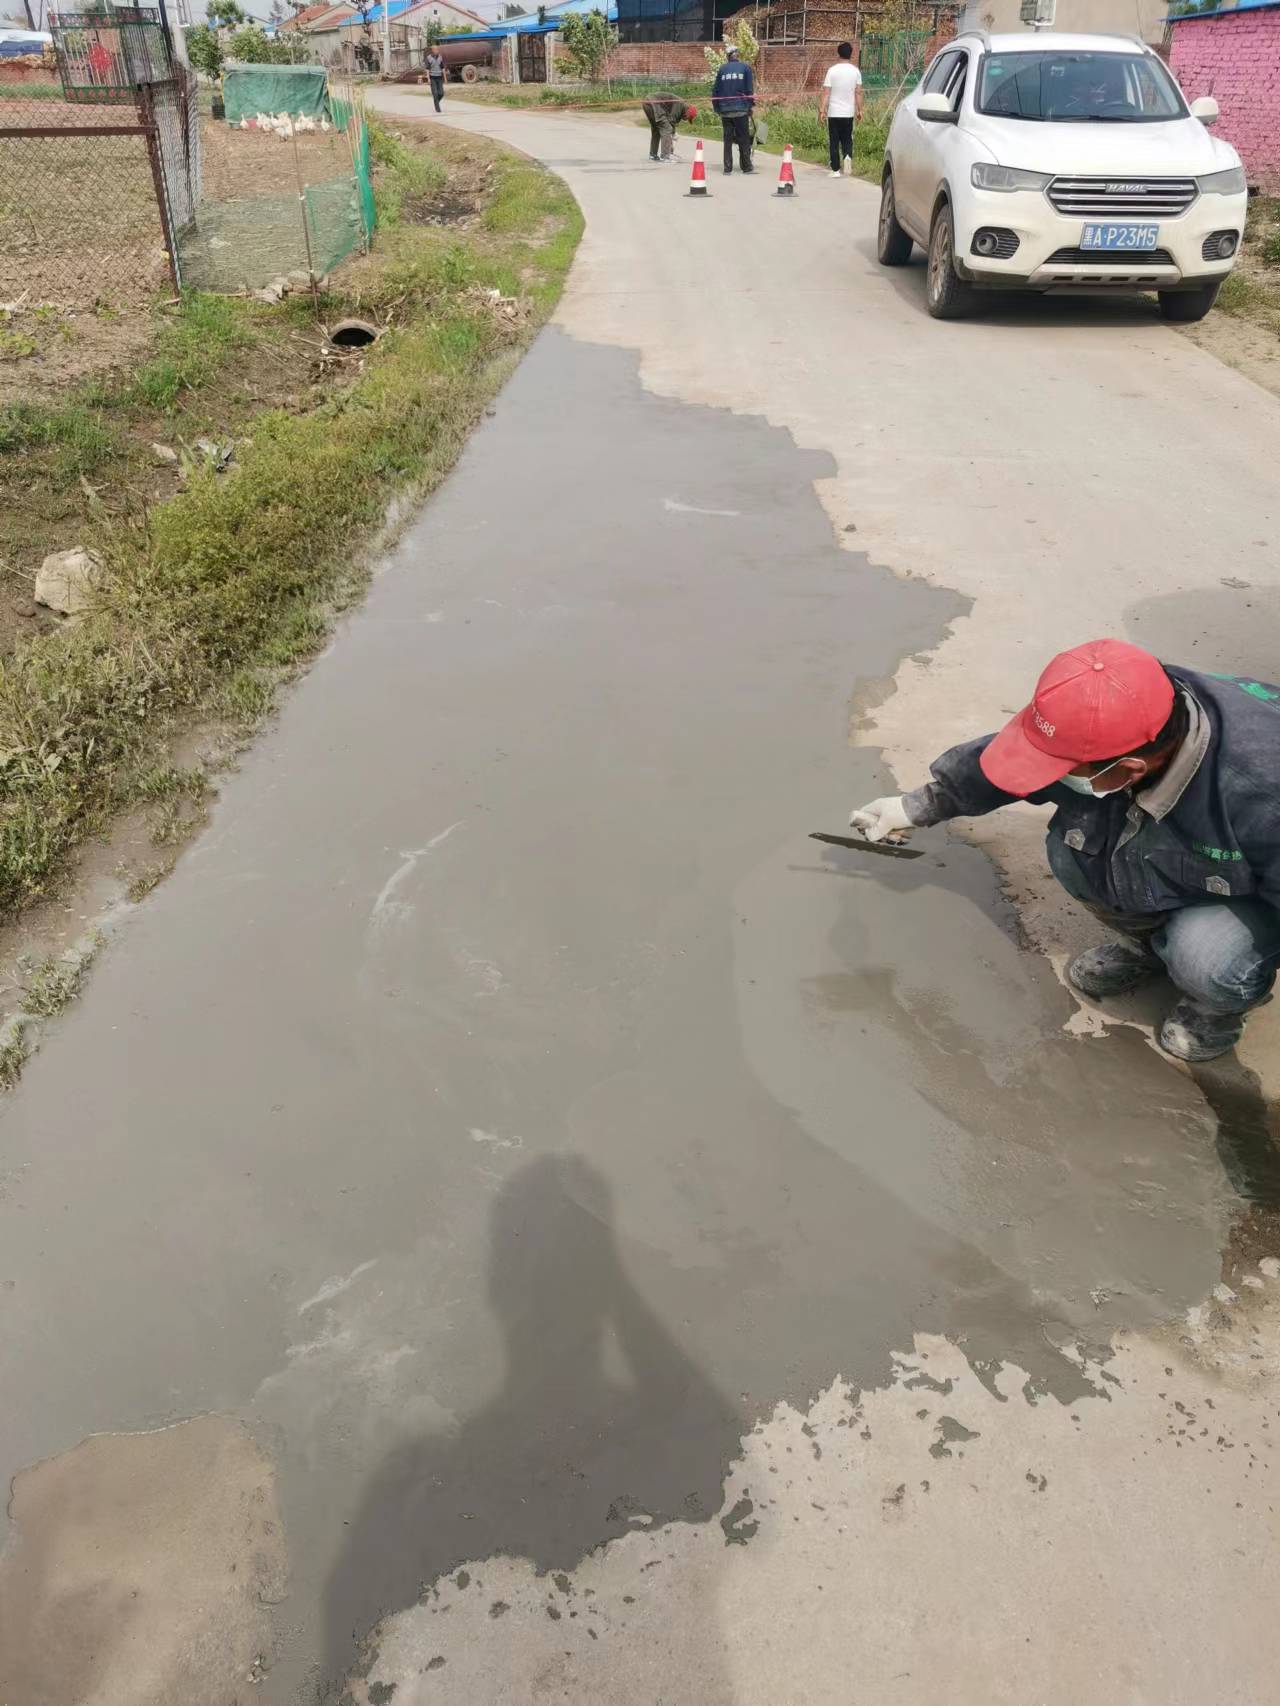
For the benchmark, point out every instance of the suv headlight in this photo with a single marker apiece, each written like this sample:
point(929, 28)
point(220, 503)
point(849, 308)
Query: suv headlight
point(1230, 182)
point(987, 176)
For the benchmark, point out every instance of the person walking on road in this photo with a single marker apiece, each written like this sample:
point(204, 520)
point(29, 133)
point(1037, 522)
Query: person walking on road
point(664, 113)
point(733, 96)
point(436, 73)
point(839, 107)
point(1166, 784)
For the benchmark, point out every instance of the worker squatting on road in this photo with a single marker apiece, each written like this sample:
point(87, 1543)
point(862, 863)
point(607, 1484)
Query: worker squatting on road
point(1167, 825)
point(733, 97)
point(664, 113)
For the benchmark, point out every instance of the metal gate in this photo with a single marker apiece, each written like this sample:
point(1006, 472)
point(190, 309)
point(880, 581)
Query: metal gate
point(533, 58)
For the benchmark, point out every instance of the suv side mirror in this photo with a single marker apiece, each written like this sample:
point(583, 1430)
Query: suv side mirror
point(937, 109)
point(1205, 109)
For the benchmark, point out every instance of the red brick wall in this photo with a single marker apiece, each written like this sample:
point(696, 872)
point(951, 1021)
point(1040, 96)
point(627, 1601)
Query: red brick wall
point(679, 60)
point(779, 71)
point(1235, 57)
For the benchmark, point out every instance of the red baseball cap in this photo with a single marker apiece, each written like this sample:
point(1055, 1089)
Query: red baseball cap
point(1099, 700)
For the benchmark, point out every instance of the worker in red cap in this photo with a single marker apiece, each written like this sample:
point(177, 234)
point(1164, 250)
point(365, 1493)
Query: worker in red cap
point(1167, 825)
point(664, 113)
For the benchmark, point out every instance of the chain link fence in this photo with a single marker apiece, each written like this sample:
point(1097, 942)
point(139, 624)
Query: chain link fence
point(80, 219)
point(113, 182)
point(282, 194)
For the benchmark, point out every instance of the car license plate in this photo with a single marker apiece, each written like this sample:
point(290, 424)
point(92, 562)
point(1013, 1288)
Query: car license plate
point(1123, 237)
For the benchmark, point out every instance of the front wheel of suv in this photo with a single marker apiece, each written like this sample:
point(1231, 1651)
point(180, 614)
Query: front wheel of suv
point(893, 244)
point(947, 296)
point(1184, 306)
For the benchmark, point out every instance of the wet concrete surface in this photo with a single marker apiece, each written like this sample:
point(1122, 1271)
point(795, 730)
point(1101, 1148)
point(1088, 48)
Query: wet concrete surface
point(506, 1103)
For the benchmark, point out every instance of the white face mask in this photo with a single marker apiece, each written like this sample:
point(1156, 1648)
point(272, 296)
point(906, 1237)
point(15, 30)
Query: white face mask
point(1084, 785)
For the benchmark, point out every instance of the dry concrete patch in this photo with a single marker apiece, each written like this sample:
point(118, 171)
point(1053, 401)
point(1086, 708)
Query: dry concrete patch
point(140, 1571)
point(936, 1540)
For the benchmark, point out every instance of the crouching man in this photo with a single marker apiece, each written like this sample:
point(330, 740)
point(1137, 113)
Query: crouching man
point(664, 113)
point(1167, 788)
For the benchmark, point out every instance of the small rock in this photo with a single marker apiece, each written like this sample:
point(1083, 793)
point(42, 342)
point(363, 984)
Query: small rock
point(67, 580)
point(1269, 1266)
point(165, 453)
point(23, 607)
point(1224, 1293)
point(1252, 1281)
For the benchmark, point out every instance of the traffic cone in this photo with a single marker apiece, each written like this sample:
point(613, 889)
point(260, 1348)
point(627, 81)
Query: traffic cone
point(786, 173)
point(698, 182)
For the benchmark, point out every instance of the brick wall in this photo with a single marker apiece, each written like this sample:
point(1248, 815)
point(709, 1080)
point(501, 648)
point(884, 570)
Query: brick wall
point(779, 71)
point(679, 60)
point(1235, 57)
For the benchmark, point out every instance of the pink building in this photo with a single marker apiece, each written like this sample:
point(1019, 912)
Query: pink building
point(1235, 57)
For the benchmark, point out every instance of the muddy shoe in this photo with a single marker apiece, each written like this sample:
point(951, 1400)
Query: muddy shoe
point(1190, 1033)
point(1113, 968)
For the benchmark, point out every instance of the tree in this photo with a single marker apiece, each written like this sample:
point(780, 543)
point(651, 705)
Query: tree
point(740, 36)
point(225, 15)
point(588, 39)
point(204, 50)
point(253, 46)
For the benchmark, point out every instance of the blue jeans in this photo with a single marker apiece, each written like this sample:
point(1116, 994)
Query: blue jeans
point(1222, 953)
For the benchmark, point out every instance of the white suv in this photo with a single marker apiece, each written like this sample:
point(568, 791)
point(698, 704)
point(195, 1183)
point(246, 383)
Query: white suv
point(1042, 161)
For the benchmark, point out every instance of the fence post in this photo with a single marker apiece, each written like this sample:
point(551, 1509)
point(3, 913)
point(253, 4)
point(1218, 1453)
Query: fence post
point(147, 118)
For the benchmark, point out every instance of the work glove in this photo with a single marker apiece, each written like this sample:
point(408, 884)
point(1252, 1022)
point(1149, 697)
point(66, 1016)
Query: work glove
point(882, 820)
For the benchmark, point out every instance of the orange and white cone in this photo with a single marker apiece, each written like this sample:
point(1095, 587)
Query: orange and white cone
point(786, 174)
point(698, 182)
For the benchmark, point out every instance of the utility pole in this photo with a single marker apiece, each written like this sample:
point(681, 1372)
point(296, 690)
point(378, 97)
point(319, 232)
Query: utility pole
point(386, 40)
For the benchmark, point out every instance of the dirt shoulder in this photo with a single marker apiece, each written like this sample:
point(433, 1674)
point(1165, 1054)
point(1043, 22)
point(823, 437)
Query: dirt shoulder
point(232, 468)
point(1244, 328)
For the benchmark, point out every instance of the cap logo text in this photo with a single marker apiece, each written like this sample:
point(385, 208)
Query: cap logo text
point(1048, 729)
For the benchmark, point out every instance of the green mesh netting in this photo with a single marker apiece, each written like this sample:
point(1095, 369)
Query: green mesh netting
point(243, 241)
point(248, 90)
point(364, 176)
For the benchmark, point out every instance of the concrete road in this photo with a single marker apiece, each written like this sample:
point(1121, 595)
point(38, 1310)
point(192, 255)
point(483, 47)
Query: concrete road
point(640, 1255)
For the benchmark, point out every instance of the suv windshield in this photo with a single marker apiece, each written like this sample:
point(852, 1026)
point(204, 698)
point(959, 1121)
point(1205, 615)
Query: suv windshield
point(1079, 88)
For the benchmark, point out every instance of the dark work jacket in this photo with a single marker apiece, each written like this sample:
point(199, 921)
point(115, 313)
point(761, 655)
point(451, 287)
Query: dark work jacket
point(670, 107)
point(733, 91)
point(1220, 837)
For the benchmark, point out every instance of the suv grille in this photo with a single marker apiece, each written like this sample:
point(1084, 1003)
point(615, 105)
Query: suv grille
point(1113, 260)
point(1129, 198)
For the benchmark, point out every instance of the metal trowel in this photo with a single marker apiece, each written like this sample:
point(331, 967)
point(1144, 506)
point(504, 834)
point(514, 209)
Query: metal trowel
point(860, 844)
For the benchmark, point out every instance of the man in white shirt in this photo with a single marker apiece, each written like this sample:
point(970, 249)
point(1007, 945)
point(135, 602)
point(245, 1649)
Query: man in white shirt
point(841, 103)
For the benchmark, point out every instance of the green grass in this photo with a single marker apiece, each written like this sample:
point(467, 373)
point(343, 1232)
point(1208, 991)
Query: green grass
point(194, 346)
point(218, 592)
point(76, 433)
point(409, 173)
point(18, 92)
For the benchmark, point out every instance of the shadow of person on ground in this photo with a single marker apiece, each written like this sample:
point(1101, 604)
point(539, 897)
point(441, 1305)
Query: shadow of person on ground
point(602, 1424)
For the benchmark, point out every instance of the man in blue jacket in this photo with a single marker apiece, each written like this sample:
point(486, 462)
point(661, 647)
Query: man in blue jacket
point(733, 96)
point(1167, 825)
